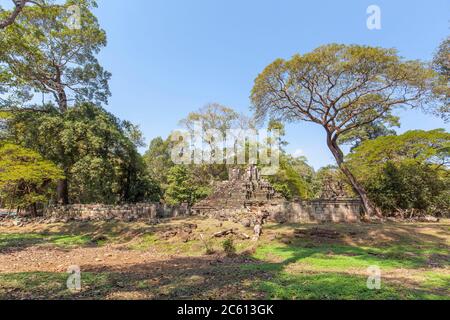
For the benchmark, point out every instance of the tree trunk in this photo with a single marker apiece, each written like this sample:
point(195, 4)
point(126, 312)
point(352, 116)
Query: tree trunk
point(62, 188)
point(63, 192)
point(62, 100)
point(19, 5)
point(369, 208)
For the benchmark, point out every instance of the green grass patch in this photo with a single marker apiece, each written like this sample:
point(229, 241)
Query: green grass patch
point(343, 257)
point(335, 286)
point(18, 240)
point(145, 242)
point(70, 240)
point(435, 280)
point(49, 285)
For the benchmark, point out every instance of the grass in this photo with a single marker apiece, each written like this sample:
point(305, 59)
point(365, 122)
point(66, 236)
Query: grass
point(415, 263)
point(414, 260)
point(195, 247)
point(50, 285)
point(17, 240)
point(341, 257)
point(340, 272)
point(336, 286)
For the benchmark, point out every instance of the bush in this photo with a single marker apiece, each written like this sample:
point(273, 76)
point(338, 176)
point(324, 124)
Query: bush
point(228, 247)
point(207, 243)
point(411, 188)
point(27, 180)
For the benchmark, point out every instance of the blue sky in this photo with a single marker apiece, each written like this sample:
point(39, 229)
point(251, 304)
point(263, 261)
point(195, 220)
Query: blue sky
point(170, 57)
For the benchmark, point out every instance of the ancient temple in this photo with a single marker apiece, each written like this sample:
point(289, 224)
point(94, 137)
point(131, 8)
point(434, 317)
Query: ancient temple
point(243, 190)
point(246, 196)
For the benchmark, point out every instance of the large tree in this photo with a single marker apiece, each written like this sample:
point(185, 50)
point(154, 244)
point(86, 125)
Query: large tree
point(341, 88)
point(43, 56)
point(9, 17)
point(441, 64)
point(158, 161)
point(26, 179)
point(182, 187)
point(98, 150)
point(224, 120)
point(408, 172)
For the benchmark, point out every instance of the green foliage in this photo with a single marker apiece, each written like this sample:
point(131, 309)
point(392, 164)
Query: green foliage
point(329, 183)
point(215, 116)
point(200, 177)
point(42, 53)
point(378, 128)
point(49, 53)
point(181, 187)
point(214, 119)
point(406, 172)
point(101, 162)
point(345, 89)
point(347, 86)
point(207, 244)
point(228, 247)
point(294, 178)
point(431, 147)
point(26, 179)
point(158, 161)
point(441, 64)
point(410, 186)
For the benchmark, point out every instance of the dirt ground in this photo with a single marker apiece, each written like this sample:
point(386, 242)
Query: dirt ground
point(181, 259)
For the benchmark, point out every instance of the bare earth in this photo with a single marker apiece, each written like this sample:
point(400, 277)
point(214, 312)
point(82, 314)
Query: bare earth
point(170, 260)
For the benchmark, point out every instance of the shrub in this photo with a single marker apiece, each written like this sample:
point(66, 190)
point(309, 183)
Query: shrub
point(228, 247)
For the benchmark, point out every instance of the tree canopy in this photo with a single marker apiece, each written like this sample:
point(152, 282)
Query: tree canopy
point(26, 178)
point(8, 18)
point(92, 146)
point(408, 172)
point(43, 54)
point(341, 88)
point(441, 64)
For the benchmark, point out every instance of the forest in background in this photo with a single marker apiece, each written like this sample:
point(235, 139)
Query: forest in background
point(59, 144)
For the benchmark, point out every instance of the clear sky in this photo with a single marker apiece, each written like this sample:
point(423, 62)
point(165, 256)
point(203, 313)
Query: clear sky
point(170, 57)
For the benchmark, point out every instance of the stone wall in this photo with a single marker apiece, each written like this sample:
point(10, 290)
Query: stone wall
point(7, 212)
point(247, 193)
point(129, 212)
point(342, 210)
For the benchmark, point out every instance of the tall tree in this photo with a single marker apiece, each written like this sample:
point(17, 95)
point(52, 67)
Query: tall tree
point(102, 161)
point(182, 188)
point(441, 64)
point(26, 179)
point(222, 119)
point(341, 88)
point(9, 17)
point(406, 172)
point(158, 161)
point(43, 54)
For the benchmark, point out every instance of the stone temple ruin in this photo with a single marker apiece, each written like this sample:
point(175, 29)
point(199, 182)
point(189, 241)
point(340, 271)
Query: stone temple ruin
point(247, 195)
point(244, 190)
point(246, 198)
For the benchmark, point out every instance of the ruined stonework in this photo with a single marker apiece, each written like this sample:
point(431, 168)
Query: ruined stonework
point(339, 210)
point(244, 190)
point(130, 212)
point(245, 198)
point(247, 194)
